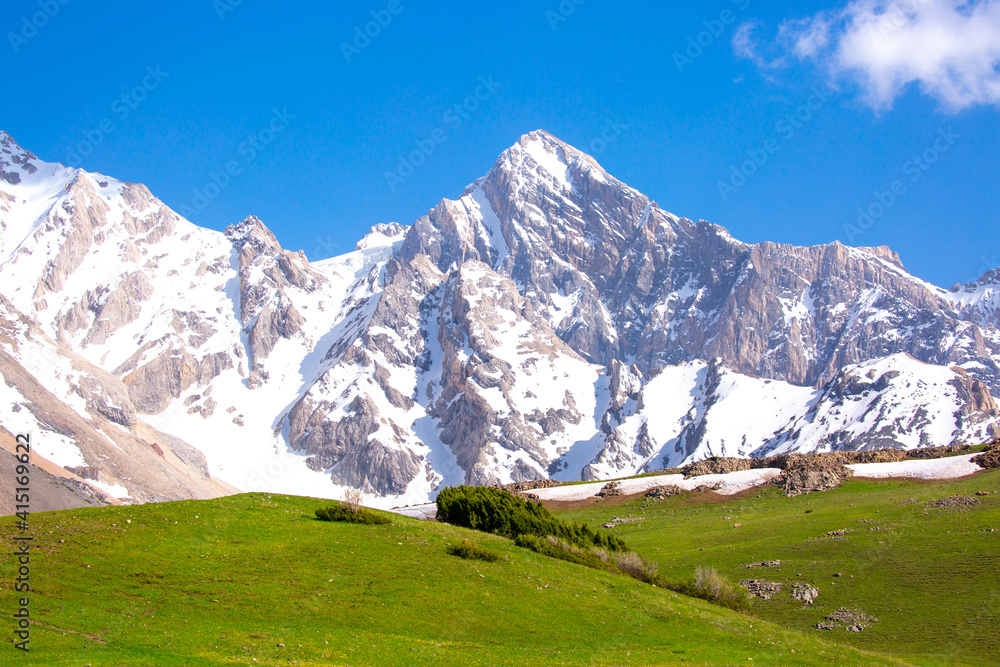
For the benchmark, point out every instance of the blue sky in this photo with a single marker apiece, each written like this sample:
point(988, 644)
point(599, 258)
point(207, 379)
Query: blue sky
point(201, 78)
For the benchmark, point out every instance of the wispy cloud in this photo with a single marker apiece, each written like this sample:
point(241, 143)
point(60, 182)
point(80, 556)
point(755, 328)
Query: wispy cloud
point(744, 44)
point(950, 49)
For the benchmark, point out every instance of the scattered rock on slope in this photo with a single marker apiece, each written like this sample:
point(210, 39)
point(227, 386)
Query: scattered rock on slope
point(610, 489)
point(954, 502)
point(855, 621)
point(808, 475)
point(804, 592)
point(664, 492)
point(761, 588)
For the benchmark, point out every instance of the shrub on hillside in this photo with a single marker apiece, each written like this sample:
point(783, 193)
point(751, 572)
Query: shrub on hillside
point(636, 567)
point(497, 511)
point(346, 512)
point(708, 584)
point(472, 551)
point(598, 558)
point(553, 547)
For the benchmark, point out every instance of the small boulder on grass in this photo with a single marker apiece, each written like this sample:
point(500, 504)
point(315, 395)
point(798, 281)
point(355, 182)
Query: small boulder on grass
point(472, 551)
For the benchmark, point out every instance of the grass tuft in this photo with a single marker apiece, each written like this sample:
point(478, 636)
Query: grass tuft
point(471, 551)
point(708, 584)
point(351, 514)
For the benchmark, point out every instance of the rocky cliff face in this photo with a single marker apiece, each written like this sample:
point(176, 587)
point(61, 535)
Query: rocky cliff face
point(90, 428)
point(267, 274)
point(550, 322)
point(618, 278)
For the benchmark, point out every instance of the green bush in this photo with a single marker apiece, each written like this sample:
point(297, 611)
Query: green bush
point(344, 512)
point(472, 551)
point(553, 547)
point(708, 584)
point(499, 512)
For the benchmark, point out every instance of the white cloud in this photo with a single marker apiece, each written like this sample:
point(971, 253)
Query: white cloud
point(949, 48)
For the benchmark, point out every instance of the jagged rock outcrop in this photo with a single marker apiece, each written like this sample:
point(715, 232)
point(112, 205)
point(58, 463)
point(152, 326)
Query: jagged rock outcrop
point(266, 273)
point(153, 386)
point(354, 421)
point(979, 301)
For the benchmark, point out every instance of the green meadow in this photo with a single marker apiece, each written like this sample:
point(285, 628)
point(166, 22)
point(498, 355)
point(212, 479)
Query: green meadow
point(256, 579)
point(929, 574)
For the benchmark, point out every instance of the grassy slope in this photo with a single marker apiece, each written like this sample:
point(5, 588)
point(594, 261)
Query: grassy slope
point(931, 576)
point(222, 582)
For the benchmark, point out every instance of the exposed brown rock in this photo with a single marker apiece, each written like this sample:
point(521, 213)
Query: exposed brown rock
point(518, 487)
point(809, 475)
point(879, 456)
point(609, 490)
point(988, 460)
point(716, 466)
point(117, 452)
point(664, 492)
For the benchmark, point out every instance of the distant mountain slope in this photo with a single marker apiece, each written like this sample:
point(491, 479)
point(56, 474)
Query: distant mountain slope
point(551, 321)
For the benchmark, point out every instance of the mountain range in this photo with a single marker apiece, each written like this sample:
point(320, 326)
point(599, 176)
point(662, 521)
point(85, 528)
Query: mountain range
point(550, 322)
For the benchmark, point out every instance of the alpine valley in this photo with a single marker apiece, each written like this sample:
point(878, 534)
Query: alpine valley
point(551, 322)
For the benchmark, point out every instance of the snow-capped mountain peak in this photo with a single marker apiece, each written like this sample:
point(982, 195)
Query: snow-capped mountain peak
point(550, 321)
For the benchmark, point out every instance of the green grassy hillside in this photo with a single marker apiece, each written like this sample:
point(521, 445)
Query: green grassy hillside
point(254, 579)
point(930, 575)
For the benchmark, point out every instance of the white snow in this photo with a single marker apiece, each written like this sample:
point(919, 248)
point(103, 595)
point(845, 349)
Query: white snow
point(54, 446)
point(979, 302)
point(735, 482)
point(741, 416)
point(947, 468)
point(423, 512)
point(731, 484)
point(113, 490)
point(545, 155)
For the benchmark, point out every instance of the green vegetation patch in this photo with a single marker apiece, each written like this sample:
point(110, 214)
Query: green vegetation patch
point(352, 514)
point(471, 551)
point(553, 547)
point(500, 512)
point(708, 584)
